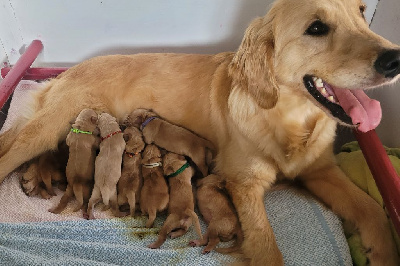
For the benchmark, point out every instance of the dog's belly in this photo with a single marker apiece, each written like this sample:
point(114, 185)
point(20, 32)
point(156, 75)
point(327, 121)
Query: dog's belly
point(177, 87)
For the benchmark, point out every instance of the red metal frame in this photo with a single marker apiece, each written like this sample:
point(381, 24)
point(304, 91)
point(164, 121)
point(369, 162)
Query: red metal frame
point(9, 83)
point(385, 176)
point(37, 73)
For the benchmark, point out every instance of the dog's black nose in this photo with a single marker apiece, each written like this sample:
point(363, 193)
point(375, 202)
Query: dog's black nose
point(388, 63)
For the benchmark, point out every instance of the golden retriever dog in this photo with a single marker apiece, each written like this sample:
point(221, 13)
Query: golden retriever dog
point(172, 137)
point(181, 213)
point(154, 196)
point(218, 213)
point(131, 181)
point(270, 108)
point(107, 165)
point(83, 142)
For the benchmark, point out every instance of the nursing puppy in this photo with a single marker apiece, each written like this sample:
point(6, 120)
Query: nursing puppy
point(45, 172)
point(131, 181)
point(270, 108)
point(171, 137)
point(181, 213)
point(83, 142)
point(219, 213)
point(154, 196)
point(107, 165)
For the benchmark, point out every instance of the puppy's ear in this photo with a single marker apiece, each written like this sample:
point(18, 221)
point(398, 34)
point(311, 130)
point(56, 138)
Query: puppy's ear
point(94, 119)
point(72, 121)
point(163, 152)
point(252, 66)
point(96, 131)
point(127, 136)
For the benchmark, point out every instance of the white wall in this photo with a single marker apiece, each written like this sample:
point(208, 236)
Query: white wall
point(75, 30)
point(386, 22)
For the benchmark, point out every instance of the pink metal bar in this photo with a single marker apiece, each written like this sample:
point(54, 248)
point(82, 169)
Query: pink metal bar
point(385, 175)
point(9, 83)
point(37, 73)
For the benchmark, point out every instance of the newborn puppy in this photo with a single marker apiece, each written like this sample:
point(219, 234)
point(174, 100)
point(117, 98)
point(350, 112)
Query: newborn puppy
point(220, 215)
point(108, 164)
point(181, 213)
point(131, 180)
point(172, 138)
point(83, 142)
point(45, 171)
point(154, 196)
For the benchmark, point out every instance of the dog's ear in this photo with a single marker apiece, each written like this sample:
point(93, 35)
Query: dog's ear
point(96, 131)
point(127, 136)
point(94, 119)
point(252, 66)
point(72, 121)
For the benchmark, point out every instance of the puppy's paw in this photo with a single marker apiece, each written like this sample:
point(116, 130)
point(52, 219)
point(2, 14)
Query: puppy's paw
point(153, 246)
point(30, 181)
point(194, 243)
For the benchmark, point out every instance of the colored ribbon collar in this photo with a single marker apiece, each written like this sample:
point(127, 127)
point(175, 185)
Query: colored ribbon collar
point(146, 122)
point(152, 165)
point(180, 170)
point(110, 135)
point(75, 130)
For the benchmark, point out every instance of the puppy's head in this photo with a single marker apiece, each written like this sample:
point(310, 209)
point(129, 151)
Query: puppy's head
point(86, 120)
point(134, 140)
point(151, 154)
point(172, 162)
point(212, 181)
point(321, 50)
point(137, 117)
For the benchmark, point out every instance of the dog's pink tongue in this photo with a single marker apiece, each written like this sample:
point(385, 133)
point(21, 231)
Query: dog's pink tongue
point(363, 111)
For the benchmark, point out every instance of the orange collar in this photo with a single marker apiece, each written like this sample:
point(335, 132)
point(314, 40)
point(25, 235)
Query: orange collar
point(110, 135)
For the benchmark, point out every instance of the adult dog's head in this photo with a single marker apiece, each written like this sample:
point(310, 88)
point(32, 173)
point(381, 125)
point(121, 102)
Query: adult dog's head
point(323, 50)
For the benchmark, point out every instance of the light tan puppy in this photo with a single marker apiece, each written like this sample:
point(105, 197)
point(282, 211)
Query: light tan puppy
point(172, 138)
point(219, 213)
point(83, 142)
point(181, 213)
point(107, 165)
point(131, 181)
point(154, 196)
point(270, 108)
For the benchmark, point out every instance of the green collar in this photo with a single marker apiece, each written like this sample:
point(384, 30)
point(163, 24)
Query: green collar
point(180, 170)
point(75, 130)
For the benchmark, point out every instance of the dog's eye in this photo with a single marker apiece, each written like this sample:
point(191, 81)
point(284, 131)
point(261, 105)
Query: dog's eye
point(317, 28)
point(362, 10)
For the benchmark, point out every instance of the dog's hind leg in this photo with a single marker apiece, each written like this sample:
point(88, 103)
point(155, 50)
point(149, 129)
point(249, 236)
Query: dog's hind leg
point(170, 224)
point(152, 216)
point(63, 201)
point(41, 134)
point(7, 139)
point(332, 187)
point(94, 199)
point(131, 195)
